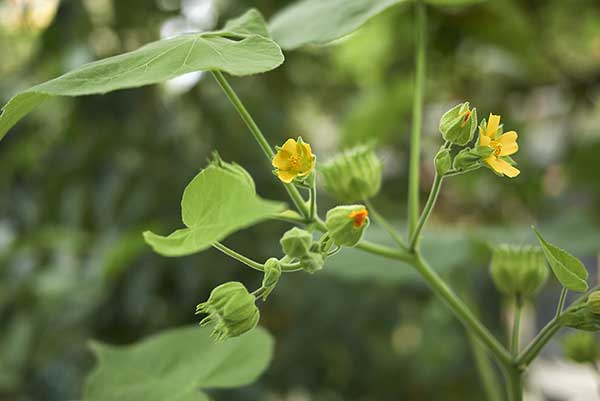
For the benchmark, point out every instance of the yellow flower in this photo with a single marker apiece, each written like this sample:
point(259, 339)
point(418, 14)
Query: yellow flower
point(293, 159)
point(502, 145)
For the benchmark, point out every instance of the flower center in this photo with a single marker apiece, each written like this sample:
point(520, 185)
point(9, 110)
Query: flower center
point(294, 161)
point(497, 147)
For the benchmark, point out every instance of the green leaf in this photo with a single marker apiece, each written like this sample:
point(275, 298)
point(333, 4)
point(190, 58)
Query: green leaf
point(215, 204)
point(241, 48)
point(569, 271)
point(176, 365)
point(453, 2)
point(322, 21)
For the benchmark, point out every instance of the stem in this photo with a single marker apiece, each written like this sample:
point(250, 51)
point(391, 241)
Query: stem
point(258, 136)
point(514, 379)
point(313, 199)
point(415, 139)
point(514, 345)
point(433, 195)
point(561, 302)
point(461, 311)
point(239, 257)
point(382, 221)
point(490, 384)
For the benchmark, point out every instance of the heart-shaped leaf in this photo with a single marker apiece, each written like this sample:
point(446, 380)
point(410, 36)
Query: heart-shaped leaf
point(569, 270)
point(215, 204)
point(241, 48)
point(176, 365)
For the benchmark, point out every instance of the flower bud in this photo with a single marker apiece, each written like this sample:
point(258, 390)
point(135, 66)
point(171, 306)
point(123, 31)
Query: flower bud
point(458, 124)
point(581, 317)
point(593, 302)
point(466, 159)
point(518, 271)
point(353, 175)
point(271, 277)
point(580, 347)
point(231, 308)
point(443, 161)
point(234, 169)
point(347, 224)
point(312, 262)
point(296, 242)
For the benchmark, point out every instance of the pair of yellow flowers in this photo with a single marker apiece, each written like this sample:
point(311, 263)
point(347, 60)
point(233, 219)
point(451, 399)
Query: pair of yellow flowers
point(295, 158)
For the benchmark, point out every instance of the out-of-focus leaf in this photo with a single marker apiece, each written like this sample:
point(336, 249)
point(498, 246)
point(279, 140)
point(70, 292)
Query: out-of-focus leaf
point(215, 204)
point(176, 365)
point(322, 21)
point(567, 268)
point(242, 48)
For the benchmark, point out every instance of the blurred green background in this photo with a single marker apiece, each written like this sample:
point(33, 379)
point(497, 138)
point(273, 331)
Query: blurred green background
point(82, 178)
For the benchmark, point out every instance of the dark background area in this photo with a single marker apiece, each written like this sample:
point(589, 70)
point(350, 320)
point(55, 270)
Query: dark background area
point(81, 178)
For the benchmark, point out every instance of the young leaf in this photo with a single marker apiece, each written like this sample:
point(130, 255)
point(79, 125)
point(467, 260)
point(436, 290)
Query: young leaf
point(241, 48)
point(176, 365)
point(322, 21)
point(215, 204)
point(569, 271)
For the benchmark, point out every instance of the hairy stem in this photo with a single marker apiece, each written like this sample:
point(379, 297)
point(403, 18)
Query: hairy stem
point(415, 139)
point(258, 136)
point(433, 195)
point(489, 382)
point(514, 379)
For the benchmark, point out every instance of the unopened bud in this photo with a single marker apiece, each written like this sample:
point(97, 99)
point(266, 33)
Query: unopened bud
point(518, 270)
point(312, 262)
point(232, 310)
point(443, 161)
point(458, 124)
point(580, 347)
point(271, 278)
point(296, 242)
point(347, 224)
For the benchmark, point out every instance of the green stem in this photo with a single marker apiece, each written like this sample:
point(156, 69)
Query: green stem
point(514, 378)
point(313, 198)
point(415, 139)
point(461, 310)
point(239, 257)
point(561, 302)
point(433, 195)
point(516, 329)
point(258, 136)
point(382, 221)
point(491, 387)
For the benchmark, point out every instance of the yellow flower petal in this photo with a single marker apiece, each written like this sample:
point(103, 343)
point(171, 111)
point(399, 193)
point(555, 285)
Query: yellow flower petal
point(308, 169)
point(290, 146)
point(493, 123)
point(502, 166)
point(509, 143)
point(281, 160)
point(286, 176)
point(484, 140)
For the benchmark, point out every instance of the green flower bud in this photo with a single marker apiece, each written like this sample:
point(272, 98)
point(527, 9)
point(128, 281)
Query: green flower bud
point(518, 270)
point(353, 175)
point(296, 242)
point(580, 347)
point(458, 124)
point(234, 169)
point(593, 302)
point(466, 159)
point(581, 317)
point(231, 308)
point(271, 277)
point(312, 262)
point(347, 224)
point(443, 161)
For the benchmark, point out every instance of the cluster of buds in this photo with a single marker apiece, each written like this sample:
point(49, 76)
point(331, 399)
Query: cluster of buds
point(298, 244)
point(518, 270)
point(232, 310)
point(492, 149)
